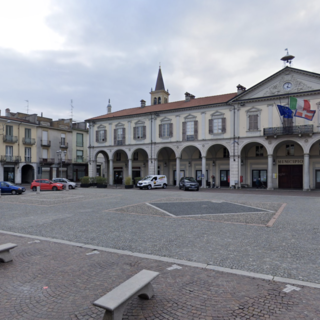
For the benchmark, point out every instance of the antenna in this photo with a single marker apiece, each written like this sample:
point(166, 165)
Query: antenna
point(287, 60)
point(71, 109)
point(27, 105)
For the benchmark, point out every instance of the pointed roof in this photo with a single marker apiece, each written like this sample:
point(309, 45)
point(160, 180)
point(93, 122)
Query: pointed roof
point(160, 83)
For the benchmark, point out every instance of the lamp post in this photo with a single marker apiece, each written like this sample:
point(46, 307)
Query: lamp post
point(59, 152)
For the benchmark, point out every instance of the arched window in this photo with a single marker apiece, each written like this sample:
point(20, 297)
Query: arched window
point(155, 100)
point(159, 100)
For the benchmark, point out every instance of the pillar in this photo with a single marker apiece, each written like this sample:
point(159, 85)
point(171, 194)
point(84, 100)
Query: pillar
point(130, 167)
point(270, 172)
point(177, 171)
point(306, 177)
point(111, 172)
point(203, 125)
point(204, 185)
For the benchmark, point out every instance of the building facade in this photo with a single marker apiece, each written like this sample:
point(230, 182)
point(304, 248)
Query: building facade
point(224, 140)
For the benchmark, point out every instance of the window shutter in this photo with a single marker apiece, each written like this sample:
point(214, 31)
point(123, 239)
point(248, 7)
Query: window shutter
point(123, 136)
point(97, 136)
point(105, 135)
point(196, 130)
point(224, 127)
point(115, 136)
point(134, 133)
point(210, 126)
point(160, 130)
point(171, 130)
point(144, 132)
point(184, 131)
point(255, 122)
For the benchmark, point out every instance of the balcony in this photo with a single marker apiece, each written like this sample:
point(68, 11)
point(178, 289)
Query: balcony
point(44, 161)
point(45, 143)
point(63, 145)
point(67, 161)
point(10, 139)
point(29, 141)
point(290, 130)
point(80, 159)
point(10, 159)
point(190, 137)
point(27, 159)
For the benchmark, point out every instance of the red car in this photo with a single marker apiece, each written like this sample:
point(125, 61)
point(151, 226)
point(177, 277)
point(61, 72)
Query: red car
point(46, 184)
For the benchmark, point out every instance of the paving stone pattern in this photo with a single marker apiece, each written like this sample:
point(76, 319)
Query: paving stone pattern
point(54, 281)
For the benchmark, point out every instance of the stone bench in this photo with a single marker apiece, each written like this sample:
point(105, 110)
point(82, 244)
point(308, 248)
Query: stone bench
point(5, 255)
point(115, 301)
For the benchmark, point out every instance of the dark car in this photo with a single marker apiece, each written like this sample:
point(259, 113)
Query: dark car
point(9, 187)
point(188, 183)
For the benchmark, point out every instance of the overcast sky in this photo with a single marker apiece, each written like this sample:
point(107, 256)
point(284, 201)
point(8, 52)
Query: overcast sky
point(52, 51)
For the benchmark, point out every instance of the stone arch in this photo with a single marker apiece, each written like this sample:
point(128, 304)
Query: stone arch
point(130, 153)
point(166, 162)
point(275, 147)
point(27, 173)
point(253, 141)
point(101, 163)
point(139, 163)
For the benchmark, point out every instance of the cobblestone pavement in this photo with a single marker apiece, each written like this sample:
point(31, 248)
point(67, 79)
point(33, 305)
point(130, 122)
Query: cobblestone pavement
point(122, 219)
point(54, 281)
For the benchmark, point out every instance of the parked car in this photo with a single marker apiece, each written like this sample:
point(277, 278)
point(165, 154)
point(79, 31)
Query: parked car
point(188, 183)
point(153, 181)
point(9, 187)
point(66, 183)
point(45, 184)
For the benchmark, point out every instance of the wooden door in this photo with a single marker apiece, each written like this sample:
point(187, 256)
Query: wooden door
point(290, 176)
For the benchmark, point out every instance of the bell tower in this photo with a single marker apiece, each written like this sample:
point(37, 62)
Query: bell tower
point(159, 95)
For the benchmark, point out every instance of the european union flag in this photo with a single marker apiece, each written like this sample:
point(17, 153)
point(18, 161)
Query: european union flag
point(286, 112)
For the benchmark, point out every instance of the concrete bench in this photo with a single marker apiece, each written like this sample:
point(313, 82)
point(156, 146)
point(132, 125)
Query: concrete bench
point(5, 255)
point(115, 301)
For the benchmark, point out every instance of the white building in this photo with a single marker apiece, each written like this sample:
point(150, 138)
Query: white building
point(225, 139)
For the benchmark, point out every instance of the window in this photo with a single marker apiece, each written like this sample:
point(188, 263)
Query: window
point(9, 131)
point(226, 153)
point(44, 154)
point(79, 156)
point(166, 130)
point(139, 132)
point(9, 153)
point(27, 135)
point(118, 156)
point(217, 125)
point(63, 139)
point(154, 100)
point(45, 138)
point(190, 130)
point(253, 122)
point(159, 100)
point(119, 136)
point(135, 156)
point(259, 151)
point(290, 149)
point(27, 154)
point(101, 136)
point(79, 140)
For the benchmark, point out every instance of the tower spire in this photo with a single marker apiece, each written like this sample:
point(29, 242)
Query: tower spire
point(160, 83)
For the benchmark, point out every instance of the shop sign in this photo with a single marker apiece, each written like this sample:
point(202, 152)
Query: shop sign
point(290, 161)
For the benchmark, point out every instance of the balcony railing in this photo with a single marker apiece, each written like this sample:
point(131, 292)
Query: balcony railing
point(27, 159)
point(290, 130)
point(10, 139)
point(29, 141)
point(119, 143)
point(80, 159)
point(63, 145)
point(45, 143)
point(190, 137)
point(46, 160)
point(12, 159)
point(67, 161)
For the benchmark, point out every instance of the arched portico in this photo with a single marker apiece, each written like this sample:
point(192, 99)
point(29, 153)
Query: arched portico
point(314, 161)
point(100, 164)
point(166, 163)
point(118, 166)
point(138, 163)
point(27, 173)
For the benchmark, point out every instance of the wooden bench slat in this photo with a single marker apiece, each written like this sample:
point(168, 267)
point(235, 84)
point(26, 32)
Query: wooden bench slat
point(126, 290)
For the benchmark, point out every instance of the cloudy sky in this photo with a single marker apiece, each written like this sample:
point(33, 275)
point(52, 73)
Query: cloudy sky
point(52, 51)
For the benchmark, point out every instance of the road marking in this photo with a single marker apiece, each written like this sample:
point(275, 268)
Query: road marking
point(174, 266)
point(166, 212)
point(35, 241)
point(93, 252)
point(276, 216)
point(290, 288)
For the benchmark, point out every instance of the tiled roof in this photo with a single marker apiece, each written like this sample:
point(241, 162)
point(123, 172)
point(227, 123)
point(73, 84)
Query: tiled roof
point(14, 119)
point(223, 98)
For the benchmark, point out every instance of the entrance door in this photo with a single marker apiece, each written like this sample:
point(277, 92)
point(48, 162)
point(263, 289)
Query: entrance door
point(199, 177)
point(224, 178)
point(290, 176)
point(118, 176)
point(9, 174)
point(259, 174)
point(182, 174)
point(317, 179)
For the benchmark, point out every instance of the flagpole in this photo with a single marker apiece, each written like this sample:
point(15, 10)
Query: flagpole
point(278, 112)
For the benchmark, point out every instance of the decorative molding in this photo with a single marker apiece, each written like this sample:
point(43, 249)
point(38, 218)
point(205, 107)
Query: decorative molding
point(190, 117)
point(119, 125)
point(165, 119)
point(101, 127)
point(217, 114)
point(253, 110)
point(139, 123)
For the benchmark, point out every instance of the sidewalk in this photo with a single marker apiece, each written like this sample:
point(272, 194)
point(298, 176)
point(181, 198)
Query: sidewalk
point(49, 280)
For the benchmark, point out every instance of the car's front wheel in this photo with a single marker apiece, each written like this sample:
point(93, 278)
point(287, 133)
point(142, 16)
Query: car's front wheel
point(164, 186)
point(70, 187)
point(149, 187)
point(13, 192)
point(34, 188)
point(54, 188)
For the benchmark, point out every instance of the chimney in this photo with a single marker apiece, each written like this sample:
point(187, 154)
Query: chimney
point(109, 107)
point(189, 96)
point(41, 114)
point(143, 103)
point(240, 88)
point(7, 112)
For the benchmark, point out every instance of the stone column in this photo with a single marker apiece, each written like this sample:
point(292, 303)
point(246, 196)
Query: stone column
point(270, 172)
point(130, 167)
point(177, 171)
point(306, 177)
point(155, 166)
point(111, 172)
point(203, 125)
point(204, 172)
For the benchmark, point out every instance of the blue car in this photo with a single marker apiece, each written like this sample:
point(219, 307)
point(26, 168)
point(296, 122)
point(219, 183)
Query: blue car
point(8, 187)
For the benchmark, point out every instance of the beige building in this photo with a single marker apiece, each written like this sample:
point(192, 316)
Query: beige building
point(224, 140)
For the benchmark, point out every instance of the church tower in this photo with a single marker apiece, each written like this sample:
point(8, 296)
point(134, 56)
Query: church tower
point(159, 95)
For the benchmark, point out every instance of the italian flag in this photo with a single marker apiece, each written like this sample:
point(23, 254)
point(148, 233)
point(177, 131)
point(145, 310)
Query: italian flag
point(299, 104)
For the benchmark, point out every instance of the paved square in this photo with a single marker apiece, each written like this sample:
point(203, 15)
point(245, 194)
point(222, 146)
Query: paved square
point(199, 208)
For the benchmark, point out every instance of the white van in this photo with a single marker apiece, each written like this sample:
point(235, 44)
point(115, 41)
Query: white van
point(154, 181)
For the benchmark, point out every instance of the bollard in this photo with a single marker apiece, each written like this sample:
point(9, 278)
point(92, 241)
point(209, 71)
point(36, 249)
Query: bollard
point(38, 189)
point(67, 188)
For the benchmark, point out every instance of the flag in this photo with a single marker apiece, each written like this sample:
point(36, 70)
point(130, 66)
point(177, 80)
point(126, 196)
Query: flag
point(299, 104)
point(285, 112)
point(302, 108)
point(306, 114)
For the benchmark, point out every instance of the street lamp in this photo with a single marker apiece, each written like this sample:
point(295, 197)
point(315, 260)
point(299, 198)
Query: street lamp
point(59, 152)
